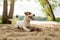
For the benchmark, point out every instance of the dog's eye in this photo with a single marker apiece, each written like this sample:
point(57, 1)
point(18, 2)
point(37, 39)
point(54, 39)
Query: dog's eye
point(29, 13)
point(33, 14)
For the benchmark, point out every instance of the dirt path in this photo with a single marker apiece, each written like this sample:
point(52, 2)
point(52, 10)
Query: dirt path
point(8, 32)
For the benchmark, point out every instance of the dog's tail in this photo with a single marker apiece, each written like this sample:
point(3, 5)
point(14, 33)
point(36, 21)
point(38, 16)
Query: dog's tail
point(10, 20)
point(14, 20)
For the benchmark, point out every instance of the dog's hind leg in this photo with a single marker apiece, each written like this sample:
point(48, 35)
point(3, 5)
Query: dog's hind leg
point(26, 29)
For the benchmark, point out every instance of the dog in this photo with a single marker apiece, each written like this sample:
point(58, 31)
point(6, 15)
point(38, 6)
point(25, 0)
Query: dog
point(25, 23)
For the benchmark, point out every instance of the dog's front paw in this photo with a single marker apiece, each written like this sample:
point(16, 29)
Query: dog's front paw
point(28, 30)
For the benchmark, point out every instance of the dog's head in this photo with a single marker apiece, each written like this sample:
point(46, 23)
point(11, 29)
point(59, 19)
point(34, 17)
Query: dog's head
point(29, 15)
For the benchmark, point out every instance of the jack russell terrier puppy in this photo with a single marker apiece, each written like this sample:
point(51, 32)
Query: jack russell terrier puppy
point(26, 21)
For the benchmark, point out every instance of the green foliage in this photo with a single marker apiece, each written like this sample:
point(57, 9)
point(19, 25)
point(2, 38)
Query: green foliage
point(46, 8)
point(58, 19)
point(53, 6)
point(42, 2)
point(59, 4)
point(49, 18)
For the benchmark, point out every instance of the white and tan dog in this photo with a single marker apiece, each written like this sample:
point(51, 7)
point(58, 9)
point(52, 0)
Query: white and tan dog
point(25, 22)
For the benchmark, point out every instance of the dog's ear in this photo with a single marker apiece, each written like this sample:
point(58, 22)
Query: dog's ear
point(27, 13)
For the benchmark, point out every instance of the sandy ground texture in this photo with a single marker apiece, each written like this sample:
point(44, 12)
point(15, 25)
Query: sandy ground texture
point(46, 32)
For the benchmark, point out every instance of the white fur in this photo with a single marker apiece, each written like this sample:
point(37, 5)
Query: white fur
point(24, 23)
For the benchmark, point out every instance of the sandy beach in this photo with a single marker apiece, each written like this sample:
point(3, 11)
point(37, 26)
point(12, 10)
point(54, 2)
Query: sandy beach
point(47, 32)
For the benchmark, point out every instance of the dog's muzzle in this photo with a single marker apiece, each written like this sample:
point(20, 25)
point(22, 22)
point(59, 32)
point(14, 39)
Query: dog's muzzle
point(32, 17)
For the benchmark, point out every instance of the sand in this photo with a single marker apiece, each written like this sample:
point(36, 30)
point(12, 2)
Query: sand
point(47, 32)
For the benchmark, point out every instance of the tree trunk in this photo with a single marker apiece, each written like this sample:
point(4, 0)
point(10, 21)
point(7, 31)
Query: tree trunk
point(4, 16)
point(11, 9)
point(51, 14)
point(5, 10)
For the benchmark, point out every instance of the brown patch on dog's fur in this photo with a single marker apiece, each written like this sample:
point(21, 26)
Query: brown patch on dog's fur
point(27, 13)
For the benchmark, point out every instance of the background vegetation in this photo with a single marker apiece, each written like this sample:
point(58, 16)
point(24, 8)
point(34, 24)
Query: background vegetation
point(48, 7)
